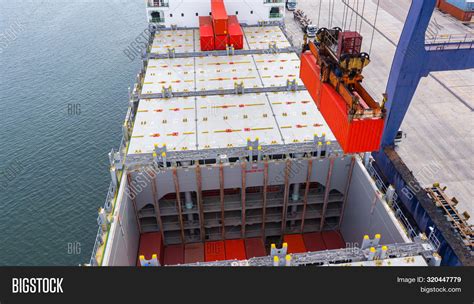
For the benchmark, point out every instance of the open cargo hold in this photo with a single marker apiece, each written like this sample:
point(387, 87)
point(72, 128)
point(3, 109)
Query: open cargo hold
point(206, 34)
point(221, 41)
point(254, 247)
point(194, 253)
point(236, 35)
point(313, 241)
point(214, 251)
point(354, 136)
point(174, 255)
point(219, 17)
point(362, 216)
point(295, 243)
point(235, 249)
point(333, 240)
point(151, 243)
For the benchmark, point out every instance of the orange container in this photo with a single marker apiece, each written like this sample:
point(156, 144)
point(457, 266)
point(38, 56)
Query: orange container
point(221, 41)
point(235, 249)
point(193, 253)
point(254, 247)
point(310, 74)
point(206, 34)
point(314, 241)
point(151, 243)
point(236, 36)
point(333, 240)
point(358, 135)
point(214, 251)
point(295, 243)
point(355, 136)
point(219, 17)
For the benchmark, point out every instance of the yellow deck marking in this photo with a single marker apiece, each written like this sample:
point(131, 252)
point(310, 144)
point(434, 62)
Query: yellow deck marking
point(227, 131)
point(261, 129)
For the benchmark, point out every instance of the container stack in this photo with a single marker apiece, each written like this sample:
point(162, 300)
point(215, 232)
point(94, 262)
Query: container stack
point(220, 30)
point(462, 10)
point(206, 34)
point(236, 35)
point(220, 19)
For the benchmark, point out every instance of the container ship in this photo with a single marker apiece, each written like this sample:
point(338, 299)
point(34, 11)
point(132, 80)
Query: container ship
point(227, 157)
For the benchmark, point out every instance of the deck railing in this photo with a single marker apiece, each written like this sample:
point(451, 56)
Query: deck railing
point(158, 3)
point(450, 42)
point(98, 240)
point(276, 15)
point(394, 202)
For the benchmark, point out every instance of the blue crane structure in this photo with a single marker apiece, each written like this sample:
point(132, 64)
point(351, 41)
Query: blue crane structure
point(415, 58)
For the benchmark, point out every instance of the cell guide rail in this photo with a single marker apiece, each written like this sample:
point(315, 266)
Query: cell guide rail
point(262, 162)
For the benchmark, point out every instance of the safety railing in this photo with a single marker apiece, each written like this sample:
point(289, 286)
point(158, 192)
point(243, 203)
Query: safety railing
point(394, 204)
point(402, 218)
point(97, 243)
point(158, 3)
point(276, 15)
point(98, 239)
point(450, 42)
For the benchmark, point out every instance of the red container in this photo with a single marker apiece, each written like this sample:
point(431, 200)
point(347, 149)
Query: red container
point(349, 43)
point(235, 249)
point(151, 243)
point(314, 241)
point(254, 247)
point(236, 35)
point(214, 251)
point(193, 253)
point(219, 17)
point(174, 255)
point(358, 135)
point(206, 34)
point(295, 243)
point(221, 41)
point(333, 240)
point(310, 74)
point(454, 11)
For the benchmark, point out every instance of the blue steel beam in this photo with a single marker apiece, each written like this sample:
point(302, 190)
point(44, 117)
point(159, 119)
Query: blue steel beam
point(413, 61)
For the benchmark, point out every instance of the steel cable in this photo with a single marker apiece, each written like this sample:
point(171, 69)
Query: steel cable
point(373, 28)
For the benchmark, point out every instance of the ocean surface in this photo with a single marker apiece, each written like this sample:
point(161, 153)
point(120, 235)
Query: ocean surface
point(64, 82)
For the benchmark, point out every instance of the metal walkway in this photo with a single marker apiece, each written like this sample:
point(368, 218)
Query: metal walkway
point(448, 207)
point(337, 256)
point(223, 92)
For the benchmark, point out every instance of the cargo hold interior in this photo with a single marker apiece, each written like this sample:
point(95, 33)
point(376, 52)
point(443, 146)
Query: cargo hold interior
point(365, 213)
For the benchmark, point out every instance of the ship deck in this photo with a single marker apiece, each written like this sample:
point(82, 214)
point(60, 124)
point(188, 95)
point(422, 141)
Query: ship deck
point(187, 40)
point(223, 121)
